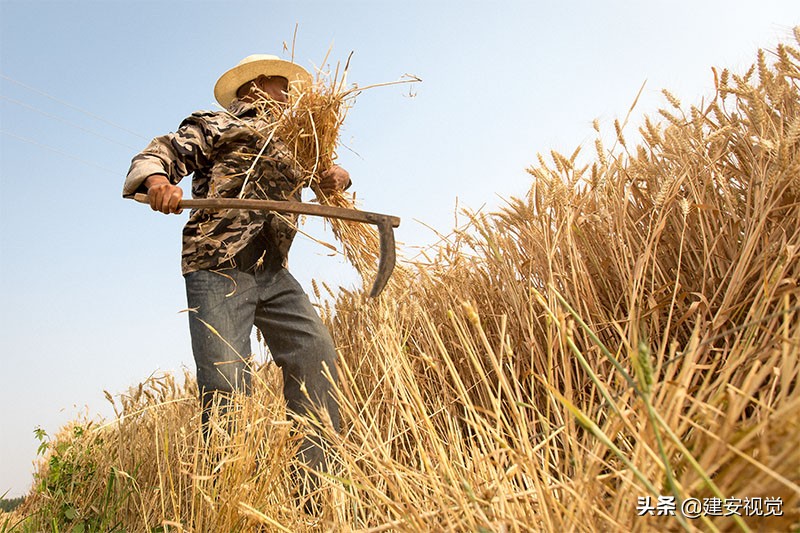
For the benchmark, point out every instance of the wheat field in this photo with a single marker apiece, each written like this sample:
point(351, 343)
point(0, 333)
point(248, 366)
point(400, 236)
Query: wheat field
point(629, 329)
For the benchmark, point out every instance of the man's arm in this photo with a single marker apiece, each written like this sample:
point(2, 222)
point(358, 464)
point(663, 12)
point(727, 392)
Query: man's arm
point(158, 168)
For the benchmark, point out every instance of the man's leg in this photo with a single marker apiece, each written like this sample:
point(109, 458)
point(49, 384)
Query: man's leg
point(222, 307)
point(302, 346)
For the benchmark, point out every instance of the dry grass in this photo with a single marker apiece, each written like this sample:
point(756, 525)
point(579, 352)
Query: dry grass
point(629, 328)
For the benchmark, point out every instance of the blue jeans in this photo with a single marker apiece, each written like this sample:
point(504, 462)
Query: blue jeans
point(225, 304)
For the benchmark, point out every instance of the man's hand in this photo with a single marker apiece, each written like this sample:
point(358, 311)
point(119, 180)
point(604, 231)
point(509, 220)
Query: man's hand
point(163, 195)
point(334, 179)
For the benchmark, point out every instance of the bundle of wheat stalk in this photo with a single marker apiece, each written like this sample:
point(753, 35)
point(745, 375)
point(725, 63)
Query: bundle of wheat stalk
point(624, 339)
point(310, 127)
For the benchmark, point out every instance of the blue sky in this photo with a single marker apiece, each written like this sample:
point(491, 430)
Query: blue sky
point(91, 284)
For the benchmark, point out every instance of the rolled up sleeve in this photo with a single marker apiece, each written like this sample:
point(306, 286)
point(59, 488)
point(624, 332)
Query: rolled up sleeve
point(174, 155)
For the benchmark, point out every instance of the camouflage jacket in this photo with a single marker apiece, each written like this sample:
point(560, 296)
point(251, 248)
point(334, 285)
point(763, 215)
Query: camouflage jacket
point(220, 148)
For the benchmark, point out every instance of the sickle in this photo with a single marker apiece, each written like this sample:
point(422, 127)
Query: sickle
point(385, 223)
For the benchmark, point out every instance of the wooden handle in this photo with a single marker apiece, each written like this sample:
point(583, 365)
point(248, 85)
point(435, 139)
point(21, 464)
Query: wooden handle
point(299, 208)
point(385, 223)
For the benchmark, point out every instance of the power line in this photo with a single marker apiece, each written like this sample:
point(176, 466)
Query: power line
point(62, 102)
point(65, 121)
point(61, 152)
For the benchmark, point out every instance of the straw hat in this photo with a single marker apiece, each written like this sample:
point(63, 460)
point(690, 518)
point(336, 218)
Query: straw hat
point(254, 66)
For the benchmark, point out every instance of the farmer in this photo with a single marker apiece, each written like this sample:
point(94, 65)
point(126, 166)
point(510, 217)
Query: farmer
point(234, 261)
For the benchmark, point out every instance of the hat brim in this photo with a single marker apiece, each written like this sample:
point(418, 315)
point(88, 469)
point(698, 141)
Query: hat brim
point(229, 83)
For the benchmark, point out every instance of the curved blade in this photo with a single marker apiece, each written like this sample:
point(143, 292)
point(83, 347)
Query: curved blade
point(387, 260)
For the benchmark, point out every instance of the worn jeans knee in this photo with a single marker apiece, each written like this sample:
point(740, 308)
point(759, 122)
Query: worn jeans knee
point(221, 309)
point(301, 346)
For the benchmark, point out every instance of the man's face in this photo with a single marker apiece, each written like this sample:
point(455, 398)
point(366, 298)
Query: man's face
point(276, 87)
